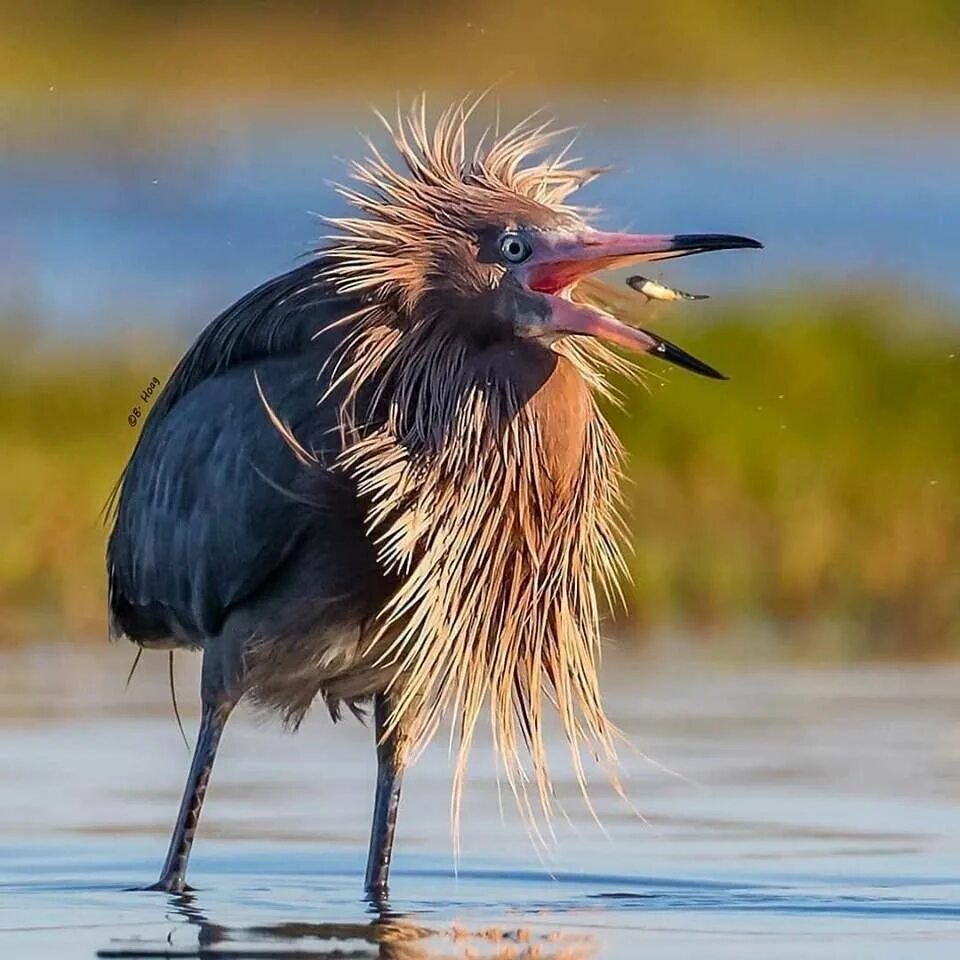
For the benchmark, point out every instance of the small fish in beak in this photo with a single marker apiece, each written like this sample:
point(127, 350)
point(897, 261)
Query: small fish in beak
point(657, 291)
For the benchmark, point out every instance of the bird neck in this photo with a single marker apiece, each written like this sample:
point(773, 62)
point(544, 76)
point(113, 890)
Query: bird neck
point(562, 413)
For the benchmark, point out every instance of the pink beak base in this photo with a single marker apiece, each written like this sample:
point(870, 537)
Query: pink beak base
point(565, 259)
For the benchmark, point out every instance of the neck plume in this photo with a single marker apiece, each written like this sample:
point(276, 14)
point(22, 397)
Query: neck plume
point(490, 483)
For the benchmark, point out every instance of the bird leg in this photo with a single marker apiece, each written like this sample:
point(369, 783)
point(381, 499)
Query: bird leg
point(386, 801)
point(212, 721)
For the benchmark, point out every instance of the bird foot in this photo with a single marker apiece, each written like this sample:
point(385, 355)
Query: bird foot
point(173, 886)
point(377, 895)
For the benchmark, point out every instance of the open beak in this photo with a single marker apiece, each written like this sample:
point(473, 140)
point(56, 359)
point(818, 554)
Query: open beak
point(564, 259)
point(572, 318)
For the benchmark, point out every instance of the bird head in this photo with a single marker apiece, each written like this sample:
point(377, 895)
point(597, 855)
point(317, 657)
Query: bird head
point(544, 294)
point(482, 246)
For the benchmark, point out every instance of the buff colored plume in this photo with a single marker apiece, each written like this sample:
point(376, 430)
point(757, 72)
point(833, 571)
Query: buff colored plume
point(498, 599)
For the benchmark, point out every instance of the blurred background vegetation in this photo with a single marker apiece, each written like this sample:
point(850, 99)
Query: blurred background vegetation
point(343, 47)
point(154, 154)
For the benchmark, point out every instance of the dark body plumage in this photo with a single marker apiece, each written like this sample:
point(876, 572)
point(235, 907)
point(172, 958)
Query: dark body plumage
point(223, 535)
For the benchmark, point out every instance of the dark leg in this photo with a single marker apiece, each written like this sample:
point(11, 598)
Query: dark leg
point(173, 876)
point(386, 802)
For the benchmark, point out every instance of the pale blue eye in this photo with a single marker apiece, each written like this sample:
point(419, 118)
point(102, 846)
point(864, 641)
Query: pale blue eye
point(514, 247)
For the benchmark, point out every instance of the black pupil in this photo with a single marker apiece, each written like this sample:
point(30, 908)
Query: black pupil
point(514, 248)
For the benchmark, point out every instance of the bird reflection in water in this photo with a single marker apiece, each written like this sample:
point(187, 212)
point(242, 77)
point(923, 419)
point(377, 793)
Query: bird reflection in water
point(386, 936)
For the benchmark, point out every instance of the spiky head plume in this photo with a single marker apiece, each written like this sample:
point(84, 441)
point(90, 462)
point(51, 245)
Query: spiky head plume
point(420, 225)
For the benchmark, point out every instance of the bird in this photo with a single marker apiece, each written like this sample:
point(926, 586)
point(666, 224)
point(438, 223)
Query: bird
point(385, 479)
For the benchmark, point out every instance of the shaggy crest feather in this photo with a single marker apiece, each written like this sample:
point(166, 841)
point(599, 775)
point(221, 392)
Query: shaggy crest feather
point(498, 562)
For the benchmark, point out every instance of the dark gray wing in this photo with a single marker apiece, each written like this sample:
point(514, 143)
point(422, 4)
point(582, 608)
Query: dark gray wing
point(213, 499)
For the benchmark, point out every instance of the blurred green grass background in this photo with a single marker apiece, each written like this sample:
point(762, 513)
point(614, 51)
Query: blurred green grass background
point(819, 491)
point(341, 46)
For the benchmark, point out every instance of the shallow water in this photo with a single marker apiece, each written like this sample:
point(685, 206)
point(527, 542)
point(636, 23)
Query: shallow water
point(808, 812)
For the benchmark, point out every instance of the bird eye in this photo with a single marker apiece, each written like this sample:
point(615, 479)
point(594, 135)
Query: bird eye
point(515, 247)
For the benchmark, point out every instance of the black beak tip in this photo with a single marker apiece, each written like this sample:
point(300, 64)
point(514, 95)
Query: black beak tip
point(705, 370)
point(671, 353)
point(705, 242)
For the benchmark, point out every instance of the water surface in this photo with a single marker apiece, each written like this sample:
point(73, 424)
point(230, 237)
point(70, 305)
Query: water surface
point(136, 219)
point(807, 812)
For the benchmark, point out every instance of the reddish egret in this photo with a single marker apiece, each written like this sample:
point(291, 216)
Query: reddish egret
point(384, 476)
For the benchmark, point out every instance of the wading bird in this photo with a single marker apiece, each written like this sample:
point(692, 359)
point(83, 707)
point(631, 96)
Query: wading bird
point(384, 476)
